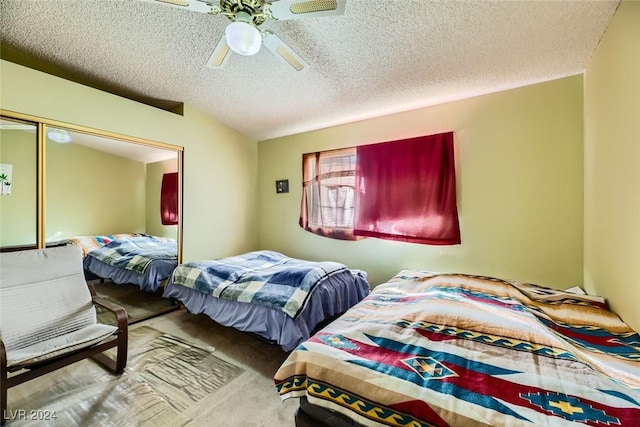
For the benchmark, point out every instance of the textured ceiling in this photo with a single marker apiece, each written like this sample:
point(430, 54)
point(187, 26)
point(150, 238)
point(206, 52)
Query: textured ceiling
point(379, 57)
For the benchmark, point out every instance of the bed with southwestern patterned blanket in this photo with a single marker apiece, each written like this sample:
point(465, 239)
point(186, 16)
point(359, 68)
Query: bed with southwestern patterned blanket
point(146, 261)
point(450, 349)
point(276, 297)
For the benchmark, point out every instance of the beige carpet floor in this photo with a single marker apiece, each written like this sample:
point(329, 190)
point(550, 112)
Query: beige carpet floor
point(183, 370)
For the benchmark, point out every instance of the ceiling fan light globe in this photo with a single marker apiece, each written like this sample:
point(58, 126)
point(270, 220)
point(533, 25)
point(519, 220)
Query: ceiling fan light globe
point(60, 136)
point(243, 38)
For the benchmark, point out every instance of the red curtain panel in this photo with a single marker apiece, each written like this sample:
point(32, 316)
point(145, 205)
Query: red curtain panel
point(406, 190)
point(169, 199)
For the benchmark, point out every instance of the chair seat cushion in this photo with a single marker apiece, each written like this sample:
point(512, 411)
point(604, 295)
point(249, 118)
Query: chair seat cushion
point(58, 345)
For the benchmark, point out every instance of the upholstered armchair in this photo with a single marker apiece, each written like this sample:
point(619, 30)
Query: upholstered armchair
point(48, 317)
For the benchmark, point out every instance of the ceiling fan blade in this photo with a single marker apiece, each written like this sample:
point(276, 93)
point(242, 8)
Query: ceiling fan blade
point(193, 5)
point(296, 9)
point(283, 52)
point(220, 54)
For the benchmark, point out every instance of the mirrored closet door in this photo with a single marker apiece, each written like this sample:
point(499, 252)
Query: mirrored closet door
point(76, 181)
point(18, 180)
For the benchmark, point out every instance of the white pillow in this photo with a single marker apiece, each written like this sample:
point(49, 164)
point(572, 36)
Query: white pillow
point(576, 290)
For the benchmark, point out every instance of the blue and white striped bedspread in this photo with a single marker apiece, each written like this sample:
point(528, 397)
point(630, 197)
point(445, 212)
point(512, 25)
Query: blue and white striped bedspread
point(262, 277)
point(135, 254)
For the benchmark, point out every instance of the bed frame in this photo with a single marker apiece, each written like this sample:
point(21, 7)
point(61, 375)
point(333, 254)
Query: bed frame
point(309, 415)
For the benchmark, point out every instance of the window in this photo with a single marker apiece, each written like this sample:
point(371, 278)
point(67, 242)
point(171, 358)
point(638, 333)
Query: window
point(399, 190)
point(329, 182)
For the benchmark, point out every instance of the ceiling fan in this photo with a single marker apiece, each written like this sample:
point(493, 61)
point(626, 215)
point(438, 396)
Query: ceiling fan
point(243, 34)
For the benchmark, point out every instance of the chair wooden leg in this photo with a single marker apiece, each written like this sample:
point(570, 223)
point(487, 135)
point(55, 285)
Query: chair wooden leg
point(122, 323)
point(121, 355)
point(117, 365)
point(120, 362)
point(3, 384)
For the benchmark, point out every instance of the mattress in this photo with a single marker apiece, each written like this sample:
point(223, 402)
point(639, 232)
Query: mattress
point(333, 295)
point(454, 349)
point(154, 275)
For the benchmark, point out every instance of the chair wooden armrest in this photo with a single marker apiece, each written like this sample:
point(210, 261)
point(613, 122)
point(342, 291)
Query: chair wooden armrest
point(122, 323)
point(114, 308)
point(92, 289)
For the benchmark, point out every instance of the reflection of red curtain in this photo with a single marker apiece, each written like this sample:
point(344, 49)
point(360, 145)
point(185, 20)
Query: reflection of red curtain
point(169, 199)
point(406, 190)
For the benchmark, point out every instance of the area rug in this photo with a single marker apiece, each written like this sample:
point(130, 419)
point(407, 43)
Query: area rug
point(139, 305)
point(165, 376)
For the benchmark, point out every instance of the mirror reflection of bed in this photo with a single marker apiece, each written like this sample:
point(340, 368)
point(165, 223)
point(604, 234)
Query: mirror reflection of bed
point(105, 195)
point(130, 269)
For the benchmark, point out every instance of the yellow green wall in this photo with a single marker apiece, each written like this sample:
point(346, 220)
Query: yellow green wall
point(90, 192)
point(153, 222)
point(612, 166)
point(18, 209)
point(519, 185)
point(220, 164)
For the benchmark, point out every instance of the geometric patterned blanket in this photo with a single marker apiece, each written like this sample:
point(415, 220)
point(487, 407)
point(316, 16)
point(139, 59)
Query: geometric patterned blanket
point(262, 277)
point(452, 349)
point(90, 243)
point(136, 253)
